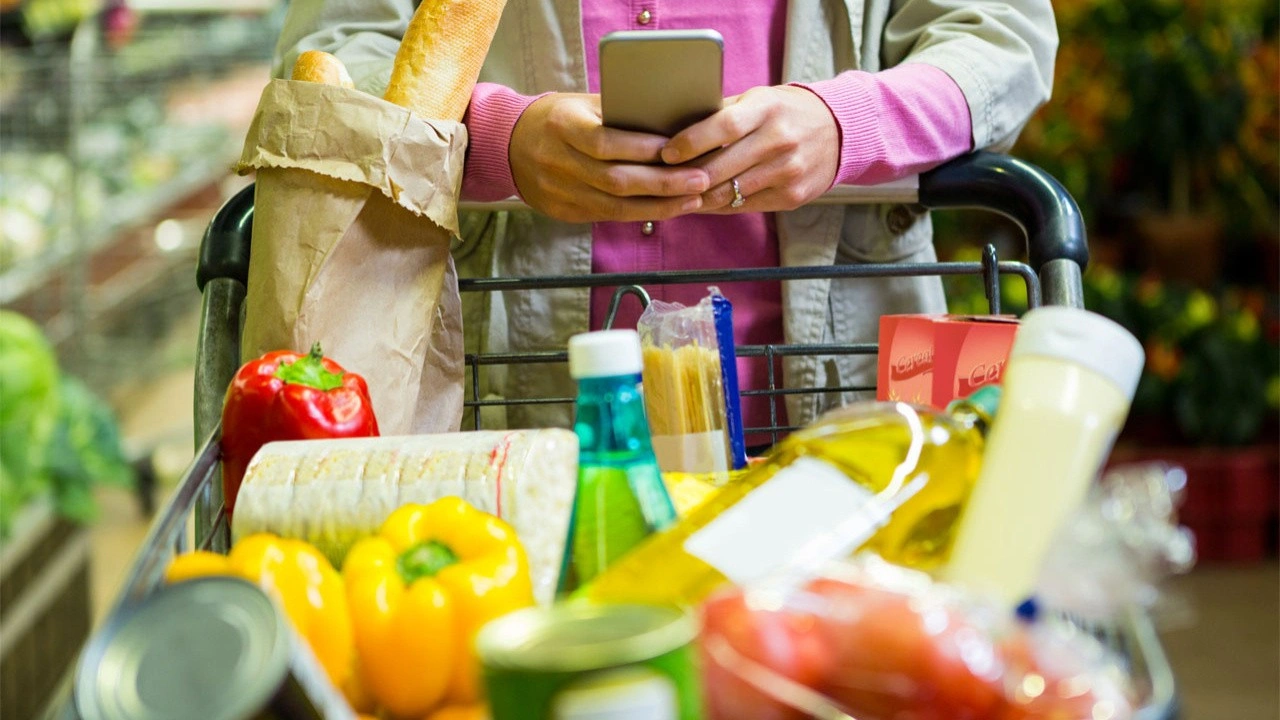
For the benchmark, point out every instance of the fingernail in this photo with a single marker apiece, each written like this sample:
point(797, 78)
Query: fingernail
point(691, 204)
point(696, 184)
point(670, 155)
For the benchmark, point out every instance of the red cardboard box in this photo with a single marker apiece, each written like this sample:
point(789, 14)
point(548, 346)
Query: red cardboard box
point(906, 359)
point(934, 359)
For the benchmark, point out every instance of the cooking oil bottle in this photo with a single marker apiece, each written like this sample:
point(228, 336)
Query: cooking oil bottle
point(888, 477)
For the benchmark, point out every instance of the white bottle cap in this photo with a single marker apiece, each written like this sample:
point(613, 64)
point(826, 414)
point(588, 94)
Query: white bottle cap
point(1083, 338)
point(607, 353)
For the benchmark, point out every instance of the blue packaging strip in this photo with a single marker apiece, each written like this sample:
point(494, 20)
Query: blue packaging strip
point(722, 313)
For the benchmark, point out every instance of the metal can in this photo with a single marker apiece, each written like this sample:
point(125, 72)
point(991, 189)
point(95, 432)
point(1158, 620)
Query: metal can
point(215, 648)
point(580, 661)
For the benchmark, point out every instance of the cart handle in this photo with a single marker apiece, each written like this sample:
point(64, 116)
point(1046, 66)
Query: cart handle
point(1020, 191)
point(983, 180)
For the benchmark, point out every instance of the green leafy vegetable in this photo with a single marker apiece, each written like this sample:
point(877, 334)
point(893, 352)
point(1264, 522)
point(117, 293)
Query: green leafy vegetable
point(57, 438)
point(28, 412)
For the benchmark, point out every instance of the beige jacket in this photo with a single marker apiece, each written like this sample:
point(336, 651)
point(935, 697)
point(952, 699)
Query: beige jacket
point(999, 53)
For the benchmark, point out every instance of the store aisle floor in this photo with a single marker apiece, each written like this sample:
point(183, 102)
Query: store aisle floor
point(1228, 661)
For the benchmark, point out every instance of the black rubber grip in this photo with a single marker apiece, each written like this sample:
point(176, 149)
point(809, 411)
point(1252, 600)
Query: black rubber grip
point(224, 252)
point(1018, 190)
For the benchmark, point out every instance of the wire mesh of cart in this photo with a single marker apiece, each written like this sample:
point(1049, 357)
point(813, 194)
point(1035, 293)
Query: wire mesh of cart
point(1049, 217)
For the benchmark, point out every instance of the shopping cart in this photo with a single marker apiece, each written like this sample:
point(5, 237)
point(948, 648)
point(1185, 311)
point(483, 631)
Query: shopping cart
point(1058, 252)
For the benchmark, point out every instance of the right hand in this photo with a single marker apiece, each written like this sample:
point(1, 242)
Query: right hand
point(568, 166)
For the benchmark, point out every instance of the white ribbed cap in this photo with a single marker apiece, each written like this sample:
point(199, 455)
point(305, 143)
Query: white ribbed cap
point(606, 353)
point(1083, 338)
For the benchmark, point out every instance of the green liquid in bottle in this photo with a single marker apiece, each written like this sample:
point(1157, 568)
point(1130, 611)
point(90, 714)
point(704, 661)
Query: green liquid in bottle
point(620, 498)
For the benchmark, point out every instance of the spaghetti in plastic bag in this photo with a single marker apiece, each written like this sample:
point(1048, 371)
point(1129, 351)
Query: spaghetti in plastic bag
point(691, 385)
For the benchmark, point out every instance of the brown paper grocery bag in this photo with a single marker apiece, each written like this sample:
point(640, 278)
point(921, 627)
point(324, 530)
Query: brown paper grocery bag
point(354, 209)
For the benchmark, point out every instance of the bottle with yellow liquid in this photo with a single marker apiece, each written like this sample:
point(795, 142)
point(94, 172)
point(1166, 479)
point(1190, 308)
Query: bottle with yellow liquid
point(888, 477)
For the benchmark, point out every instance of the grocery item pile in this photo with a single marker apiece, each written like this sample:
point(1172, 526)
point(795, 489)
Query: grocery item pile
point(888, 562)
point(891, 561)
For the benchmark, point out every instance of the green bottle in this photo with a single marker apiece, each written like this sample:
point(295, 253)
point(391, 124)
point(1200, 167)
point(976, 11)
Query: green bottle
point(620, 499)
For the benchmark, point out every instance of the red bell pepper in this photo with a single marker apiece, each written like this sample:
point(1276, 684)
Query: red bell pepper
point(284, 395)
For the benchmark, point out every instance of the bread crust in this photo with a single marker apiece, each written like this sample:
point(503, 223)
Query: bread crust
point(321, 67)
point(439, 59)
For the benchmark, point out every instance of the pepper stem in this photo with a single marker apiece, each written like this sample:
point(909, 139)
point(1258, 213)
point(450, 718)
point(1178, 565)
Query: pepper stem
point(424, 560)
point(309, 370)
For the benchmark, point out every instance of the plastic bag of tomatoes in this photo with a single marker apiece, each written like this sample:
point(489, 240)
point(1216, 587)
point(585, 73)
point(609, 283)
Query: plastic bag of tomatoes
point(875, 642)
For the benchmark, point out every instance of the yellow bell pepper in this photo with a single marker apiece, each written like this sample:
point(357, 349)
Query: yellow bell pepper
point(307, 587)
point(419, 591)
point(474, 711)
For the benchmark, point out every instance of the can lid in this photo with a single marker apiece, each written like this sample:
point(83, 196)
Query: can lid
point(579, 636)
point(605, 353)
point(214, 648)
point(1083, 338)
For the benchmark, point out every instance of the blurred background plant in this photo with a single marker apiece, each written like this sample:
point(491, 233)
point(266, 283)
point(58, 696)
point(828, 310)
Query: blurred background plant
point(1166, 105)
point(1212, 375)
point(1165, 127)
point(58, 439)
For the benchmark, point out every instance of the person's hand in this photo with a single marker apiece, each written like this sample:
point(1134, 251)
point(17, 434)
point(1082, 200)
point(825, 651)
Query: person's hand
point(781, 144)
point(570, 167)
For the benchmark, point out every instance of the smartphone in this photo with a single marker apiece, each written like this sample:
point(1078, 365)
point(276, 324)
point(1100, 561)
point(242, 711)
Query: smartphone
point(660, 81)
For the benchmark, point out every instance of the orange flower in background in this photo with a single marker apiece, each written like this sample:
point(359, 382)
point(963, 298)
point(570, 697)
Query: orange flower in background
point(1255, 301)
point(1260, 133)
point(1150, 290)
point(1163, 360)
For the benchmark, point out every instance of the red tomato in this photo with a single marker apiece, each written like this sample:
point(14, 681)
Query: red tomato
point(1050, 679)
point(895, 663)
point(787, 643)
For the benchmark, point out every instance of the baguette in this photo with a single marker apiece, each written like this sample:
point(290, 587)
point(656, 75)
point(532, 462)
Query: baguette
point(331, 493)
point(320, 67)
point(439, 58)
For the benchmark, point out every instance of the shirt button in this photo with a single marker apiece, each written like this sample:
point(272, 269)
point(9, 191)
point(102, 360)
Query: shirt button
point(647, 228)
point(900, 219)
point(644, 17)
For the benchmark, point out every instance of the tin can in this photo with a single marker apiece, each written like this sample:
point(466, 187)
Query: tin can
point(579, 661)
point(215, 648)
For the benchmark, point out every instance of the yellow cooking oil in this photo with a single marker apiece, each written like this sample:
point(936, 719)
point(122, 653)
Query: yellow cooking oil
point(887, 477)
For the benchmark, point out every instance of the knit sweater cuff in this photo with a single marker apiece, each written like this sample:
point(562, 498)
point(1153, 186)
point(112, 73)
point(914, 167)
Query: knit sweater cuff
point(895, 123)
point(490, 120)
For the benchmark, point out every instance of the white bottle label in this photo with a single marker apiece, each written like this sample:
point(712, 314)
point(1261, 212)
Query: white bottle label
point(634, 693)
point(808, 508)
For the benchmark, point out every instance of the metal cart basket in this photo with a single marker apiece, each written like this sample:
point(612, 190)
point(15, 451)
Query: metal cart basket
point(1035, 201)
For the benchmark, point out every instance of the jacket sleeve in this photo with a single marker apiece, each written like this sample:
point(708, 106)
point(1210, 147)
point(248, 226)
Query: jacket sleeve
point(1001, 55)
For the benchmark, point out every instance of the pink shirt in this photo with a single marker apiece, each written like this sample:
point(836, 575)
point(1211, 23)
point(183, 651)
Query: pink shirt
point(893, 123)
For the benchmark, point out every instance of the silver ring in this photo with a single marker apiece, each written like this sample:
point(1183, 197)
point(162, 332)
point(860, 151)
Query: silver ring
point(738, 199)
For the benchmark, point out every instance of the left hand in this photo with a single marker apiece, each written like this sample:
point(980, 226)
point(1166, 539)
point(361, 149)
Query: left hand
point(781, 143)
